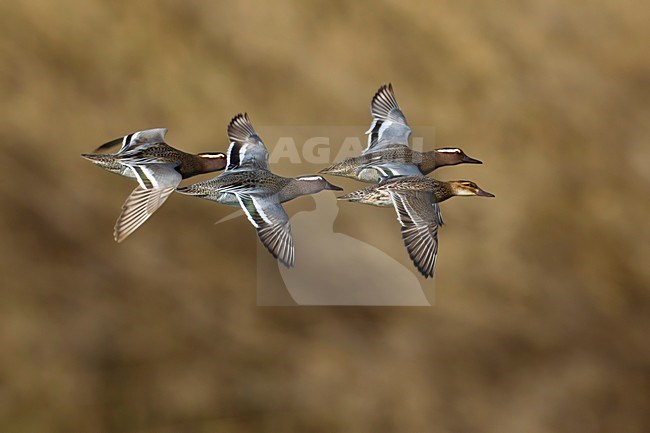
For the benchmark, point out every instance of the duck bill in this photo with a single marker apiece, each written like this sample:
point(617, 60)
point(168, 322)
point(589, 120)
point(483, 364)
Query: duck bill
point(333, 187)
point(482, 193)
point(469, 160)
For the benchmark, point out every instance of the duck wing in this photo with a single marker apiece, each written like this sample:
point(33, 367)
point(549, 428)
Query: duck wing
point(246, 147)
point(419, 221)
point(272, 224)
point(156, 183)
point(389, 127)
point(137, 139)
point(438, 212)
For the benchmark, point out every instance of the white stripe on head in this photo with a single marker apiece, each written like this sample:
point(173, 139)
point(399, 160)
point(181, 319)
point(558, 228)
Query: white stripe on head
point(449, 150)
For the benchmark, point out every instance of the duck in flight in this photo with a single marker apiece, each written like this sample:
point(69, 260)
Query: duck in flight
point(411, 196)
point(158, 168)
point(388, 153)
point(248, 183)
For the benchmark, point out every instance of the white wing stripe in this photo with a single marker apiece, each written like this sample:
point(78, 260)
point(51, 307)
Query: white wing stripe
point(259, 206)
point(247, 211)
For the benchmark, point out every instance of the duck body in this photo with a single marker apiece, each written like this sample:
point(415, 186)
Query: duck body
point(379, 195)
point(396, 160)
point(158, 168)
point(286, 188)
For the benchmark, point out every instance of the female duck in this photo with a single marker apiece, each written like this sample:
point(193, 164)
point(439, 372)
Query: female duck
point(411, 196)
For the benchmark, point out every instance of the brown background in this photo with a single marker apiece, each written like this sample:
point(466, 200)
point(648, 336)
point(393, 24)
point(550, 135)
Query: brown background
point(541, 315)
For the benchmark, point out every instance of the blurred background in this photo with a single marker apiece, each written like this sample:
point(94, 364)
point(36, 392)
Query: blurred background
point(542, 305)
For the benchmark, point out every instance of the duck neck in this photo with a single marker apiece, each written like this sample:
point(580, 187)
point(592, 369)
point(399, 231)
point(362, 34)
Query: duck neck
point(444, 191)
point(195, 164)
point(429, 162)
point(208, 165)
point(305, 186)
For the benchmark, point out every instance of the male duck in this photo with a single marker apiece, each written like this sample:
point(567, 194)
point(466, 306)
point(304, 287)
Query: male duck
point(388, 153)
point(412, 197)
point(248, 183)
point(156, 166)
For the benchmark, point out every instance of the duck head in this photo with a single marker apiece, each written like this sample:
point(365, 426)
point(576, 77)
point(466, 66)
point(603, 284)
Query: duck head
point(453, 156)
point(467, 188)
point(317, 183)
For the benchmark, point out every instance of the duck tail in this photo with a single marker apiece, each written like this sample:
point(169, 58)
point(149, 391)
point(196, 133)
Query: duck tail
point(353, 196)
point(332, 169)
point(96, 158)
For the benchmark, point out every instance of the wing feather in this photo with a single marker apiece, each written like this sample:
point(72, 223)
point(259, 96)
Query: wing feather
point(389, 127)
point(419, 223)
point(272, 225)
point(246, 148)
point(146, 198)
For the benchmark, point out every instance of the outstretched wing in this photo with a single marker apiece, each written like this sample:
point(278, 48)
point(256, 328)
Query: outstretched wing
point(272, 225)
point(438, 212)
point(389, 127)
point(419, 228)
point(136, 140)
point(156, 183)
point(246, 147)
